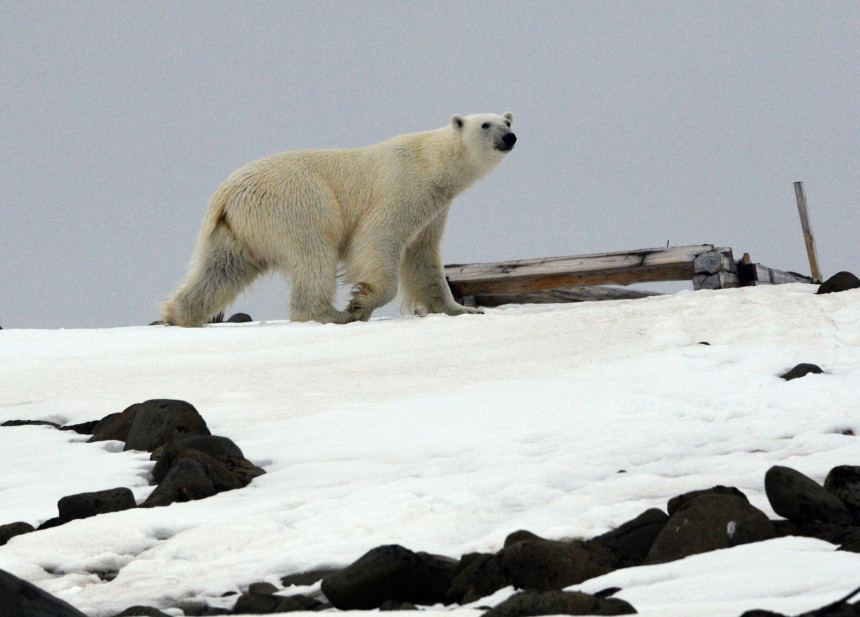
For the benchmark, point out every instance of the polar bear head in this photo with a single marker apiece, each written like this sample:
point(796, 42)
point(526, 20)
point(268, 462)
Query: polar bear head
point(486, 137)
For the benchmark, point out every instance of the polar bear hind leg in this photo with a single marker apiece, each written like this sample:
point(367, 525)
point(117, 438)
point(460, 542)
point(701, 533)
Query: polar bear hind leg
point(220, 270)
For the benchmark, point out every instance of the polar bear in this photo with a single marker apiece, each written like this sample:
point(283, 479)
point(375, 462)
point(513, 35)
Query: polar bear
point(374, 215)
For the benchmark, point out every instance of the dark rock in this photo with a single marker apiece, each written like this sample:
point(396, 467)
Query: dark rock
point(760, 613)
point(520, 536)
point(709, 522)
point(800, 499)
point(305, 579)
point(84, 505)
point(844, 483)
point(186, 481)
point(631, 542)
point(676, 502)
point(18, 598)
point(221, 477)
point(115, 426)
point(262, 589)
point(30, 423)
point(229, 460)
point(390, 573)
point(802, 370)
point(548, 565)
point(394, 605)
point(844, 536)
point(264, 604)
point(239, 318)
point(141, 611)
point(529, 603)
point(481, 575)
point(841, 281)
point(7, 532)
point(160, 421)
point(84, 428)
point(51, 522)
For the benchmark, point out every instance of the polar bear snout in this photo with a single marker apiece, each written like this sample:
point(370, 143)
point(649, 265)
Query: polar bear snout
point(508, 142)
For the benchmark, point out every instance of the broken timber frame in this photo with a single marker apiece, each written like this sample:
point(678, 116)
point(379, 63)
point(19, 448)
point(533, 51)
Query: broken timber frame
point(707, 267)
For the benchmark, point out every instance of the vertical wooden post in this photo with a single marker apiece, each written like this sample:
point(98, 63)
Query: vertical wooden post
point(811, 251)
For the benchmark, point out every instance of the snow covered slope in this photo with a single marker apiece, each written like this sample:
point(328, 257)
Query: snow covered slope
point(443, 435)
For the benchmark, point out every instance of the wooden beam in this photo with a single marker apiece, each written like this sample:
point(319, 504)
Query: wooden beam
point(809, 239)
point(622, 268)
point(584, 293)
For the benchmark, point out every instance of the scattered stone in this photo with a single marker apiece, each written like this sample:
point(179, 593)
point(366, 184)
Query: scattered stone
point(394, 605)
point(306, 579)
point(760, 613)
point(844, 482)
point(802, 370)
point(529, 603)
point(390, 572)
point(264, 604)
point(841, 281)
point(676, 502)
point(23, 599)
point(239, 318)
point(520, 536)
point(84, 505)
point(186, 481)
point(84, 428)
point(30, 423)
point(51, 522)
point(7, 532)
point(262, 589)
point(631, 542)
point(709, 522)
point(801, 499)
point(141, 611)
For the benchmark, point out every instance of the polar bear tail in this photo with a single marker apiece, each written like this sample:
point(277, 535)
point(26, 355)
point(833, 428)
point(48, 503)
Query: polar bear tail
point(220, 269)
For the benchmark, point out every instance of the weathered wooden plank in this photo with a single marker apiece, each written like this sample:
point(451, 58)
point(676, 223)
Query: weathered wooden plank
point(584, 293)
point(757, 274)
point(716, 270)
point(808, 238)
point(621, 268)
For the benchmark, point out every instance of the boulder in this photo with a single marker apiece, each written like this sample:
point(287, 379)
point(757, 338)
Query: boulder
point(186, 481)
point(229, 458)
point(30, 423)
point(478, 575)
point(306, 579)
point(141, 611)
point(801, 499)
point(708, 522)
point(18, 598)
point(115, 426)
point(548, 565)
point(239, 318)
point(631, 542)
point(530, 603)
point(841, 281)
point(264, 604)
point(7, 532)
point(802, 370)
point(390, 572)
point(84, 505)
point(160, 421)
point(520, 536)
point(844, 482)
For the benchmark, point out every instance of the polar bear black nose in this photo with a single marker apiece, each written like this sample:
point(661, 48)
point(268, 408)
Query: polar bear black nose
point(510, 139)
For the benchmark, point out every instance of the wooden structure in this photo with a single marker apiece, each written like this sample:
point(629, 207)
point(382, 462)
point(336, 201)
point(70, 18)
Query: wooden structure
point(552, 279)
point(808, 238)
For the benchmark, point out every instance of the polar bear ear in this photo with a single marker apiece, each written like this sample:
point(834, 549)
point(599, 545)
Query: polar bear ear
point(509, 116)
point(457, 122)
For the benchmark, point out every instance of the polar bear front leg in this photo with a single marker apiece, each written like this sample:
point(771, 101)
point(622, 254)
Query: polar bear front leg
point(374, 267)
point(423, 277)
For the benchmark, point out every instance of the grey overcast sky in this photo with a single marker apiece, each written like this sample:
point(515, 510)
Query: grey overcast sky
point(639, 123)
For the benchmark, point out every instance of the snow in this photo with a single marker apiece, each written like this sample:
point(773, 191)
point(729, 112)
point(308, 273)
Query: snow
point(443, 435)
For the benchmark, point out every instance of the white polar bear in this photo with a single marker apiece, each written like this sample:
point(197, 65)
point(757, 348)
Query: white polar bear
point(380, 211)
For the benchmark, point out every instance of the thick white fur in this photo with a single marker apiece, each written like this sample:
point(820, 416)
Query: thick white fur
point(380, 211)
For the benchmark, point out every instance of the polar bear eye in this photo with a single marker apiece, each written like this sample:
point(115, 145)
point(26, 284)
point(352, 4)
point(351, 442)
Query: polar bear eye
point(485, 125)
